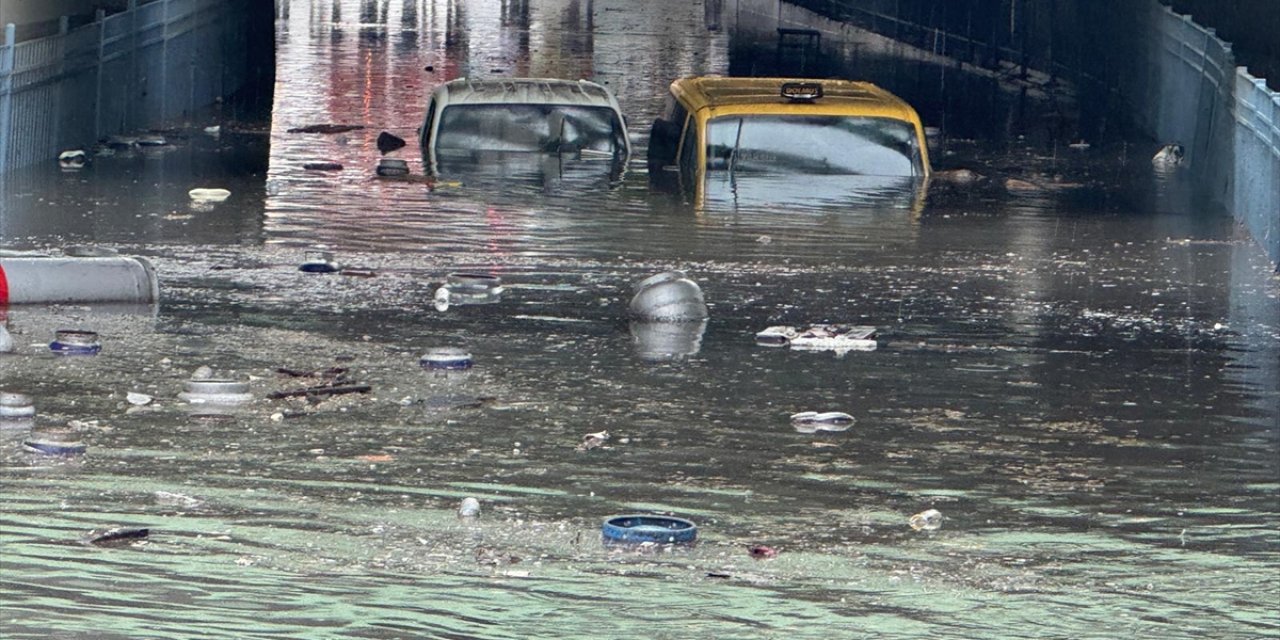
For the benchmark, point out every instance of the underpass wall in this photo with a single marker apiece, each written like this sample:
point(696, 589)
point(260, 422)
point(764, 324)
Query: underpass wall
point(153, 64)
point(1170, 76)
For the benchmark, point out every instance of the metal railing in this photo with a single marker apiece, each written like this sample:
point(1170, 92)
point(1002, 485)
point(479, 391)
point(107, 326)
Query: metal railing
point(153, 63)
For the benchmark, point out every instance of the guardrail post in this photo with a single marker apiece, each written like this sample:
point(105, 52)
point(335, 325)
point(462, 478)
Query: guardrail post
point(6, 92)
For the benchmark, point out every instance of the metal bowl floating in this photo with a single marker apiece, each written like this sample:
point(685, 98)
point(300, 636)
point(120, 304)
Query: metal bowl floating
point(641, 528)
point(16, 406)
point(74, 342)
point(216, 391)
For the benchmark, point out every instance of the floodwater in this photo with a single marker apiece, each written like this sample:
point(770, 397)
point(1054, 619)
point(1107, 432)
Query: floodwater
point(1081, 375)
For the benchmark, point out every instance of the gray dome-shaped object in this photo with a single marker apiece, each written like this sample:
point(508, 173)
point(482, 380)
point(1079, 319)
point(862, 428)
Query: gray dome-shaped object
point(669, 296)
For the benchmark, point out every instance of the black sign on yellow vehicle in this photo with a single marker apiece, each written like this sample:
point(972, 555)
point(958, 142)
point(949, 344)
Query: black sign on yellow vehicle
point(801, 91)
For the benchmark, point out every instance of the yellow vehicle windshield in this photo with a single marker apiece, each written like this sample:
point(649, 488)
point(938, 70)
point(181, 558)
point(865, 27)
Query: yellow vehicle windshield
point(813, 144)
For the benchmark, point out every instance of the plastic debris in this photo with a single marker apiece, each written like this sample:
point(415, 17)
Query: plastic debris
point(117, 536)
point(649, 529)
point(139, 399)
point(152, 140)
point(72, 160)
point(388, 142)
point(318, 262)
point(762, 552)
point(812, 421)
point(203, 372)
point(75, 342)
point(326, 128)
point(593, 440)
point(16, 406)
point(1170, 155)
point(1080, 145)
point(470, 508)
point(214, 131)
point(54, 442)
point(669, 296)
point(446, 358)
point(392, 167)
point(929, 520)
point(208, 196)
point(216, 391)
point(6, 340)
point(322, 166)
point(820, 337)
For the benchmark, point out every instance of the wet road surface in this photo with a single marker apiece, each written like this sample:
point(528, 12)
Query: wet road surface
point(1082, 375)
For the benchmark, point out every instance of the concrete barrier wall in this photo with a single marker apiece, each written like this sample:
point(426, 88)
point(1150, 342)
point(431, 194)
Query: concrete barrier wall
point(150, 65)
point(1176, 79)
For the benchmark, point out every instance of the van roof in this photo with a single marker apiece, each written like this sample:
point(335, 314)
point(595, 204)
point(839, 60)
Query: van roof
point(525, 91)
point(763, 95)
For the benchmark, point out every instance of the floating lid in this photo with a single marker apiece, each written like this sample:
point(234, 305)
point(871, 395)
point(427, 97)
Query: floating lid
point(446, 358)
point(639, 528)
point(16, 405)
point(75, 342)
point(472, 282)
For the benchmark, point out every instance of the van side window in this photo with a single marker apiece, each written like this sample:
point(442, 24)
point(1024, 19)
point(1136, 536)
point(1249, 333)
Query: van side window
point(689, 146)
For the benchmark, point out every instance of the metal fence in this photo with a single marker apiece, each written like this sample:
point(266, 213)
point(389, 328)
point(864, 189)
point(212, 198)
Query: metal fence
point(151, 64)
point(1228, 121)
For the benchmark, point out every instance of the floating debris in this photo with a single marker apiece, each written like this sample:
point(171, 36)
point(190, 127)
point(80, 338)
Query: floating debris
point(214, 131)
point(72, 160)
point(388, 142)
point(470, 508)
point(168, 498)
point(322, 166)
point(138, 399)
point(75, 342)
point(54, 442)
point(117, 537)
point(209, 390)
point(392, 167)
point(16, 406)
point(929, 520)
point(6, 340)
point(820, 337)
point(208, 196)
point(326, 128)
point(669, 296)
point(320, 391)
point(812, 421)
point(447, 358)
point(649, 529)
point(318, 261)
point(1170, 155)
point(593, 440)
point(762, 552)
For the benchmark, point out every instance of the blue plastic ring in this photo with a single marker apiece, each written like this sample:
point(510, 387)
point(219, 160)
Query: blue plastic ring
point(640, 528)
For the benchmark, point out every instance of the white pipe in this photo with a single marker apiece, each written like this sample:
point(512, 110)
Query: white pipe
point(31, 279)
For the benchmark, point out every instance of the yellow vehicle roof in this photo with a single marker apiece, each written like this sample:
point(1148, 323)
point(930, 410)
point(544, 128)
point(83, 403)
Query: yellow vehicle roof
point(732, 96)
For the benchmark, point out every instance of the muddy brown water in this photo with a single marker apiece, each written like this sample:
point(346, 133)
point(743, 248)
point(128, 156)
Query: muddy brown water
point(1083, 377)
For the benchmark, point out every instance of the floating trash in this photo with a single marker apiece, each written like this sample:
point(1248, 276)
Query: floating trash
point(152, 140)
point(72, 160)
point(117, 536)
point(16, 406)
point(641, 528)
point(138, 399)
point(593, 440)
point(762, 552)
point(75, 342)
point(318, 262)
point(470, 508)
point(669, 296)
point(215, 131)
point(820, 337)
point(6, 340)
point(929, 520)
point(54, 442)
point(322, 166)
point(391, 167)
point(388, 142)
point(216, 391)
point(446, 358)
point(812, 421)
point(208, 196)
point(1170, 155)
point(121, 143)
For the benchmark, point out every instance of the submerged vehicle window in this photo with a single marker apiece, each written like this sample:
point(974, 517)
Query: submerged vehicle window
point(813, 144)
point(528, 127)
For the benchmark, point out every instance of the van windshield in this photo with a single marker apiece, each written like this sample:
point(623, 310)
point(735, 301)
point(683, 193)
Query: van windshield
point(529, 127)
point(814, 145)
